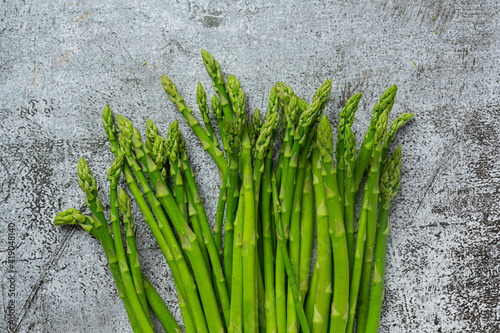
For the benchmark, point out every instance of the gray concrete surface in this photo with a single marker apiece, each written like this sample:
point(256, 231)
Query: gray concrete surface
point(62, 61)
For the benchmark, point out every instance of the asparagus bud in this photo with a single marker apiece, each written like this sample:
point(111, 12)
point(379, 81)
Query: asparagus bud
point(216, 108)
point(201, 99)
point(151, 134)
point(397, 124)
point(159, 152)
point(237, 96)
point(269, 130)
point(325, 136)
point(233, 136)
point(107, 122)
point(390, 181)
point(70, 216)
point(86, 180)
point(115, 170)
point(172, 145)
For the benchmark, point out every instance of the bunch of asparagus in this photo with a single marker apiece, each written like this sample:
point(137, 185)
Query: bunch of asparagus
point(256, 275)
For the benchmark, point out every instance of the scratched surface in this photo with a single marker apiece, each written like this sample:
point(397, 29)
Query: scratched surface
point(62, 61)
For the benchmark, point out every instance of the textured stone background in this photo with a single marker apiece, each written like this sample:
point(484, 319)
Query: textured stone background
point(62, 61)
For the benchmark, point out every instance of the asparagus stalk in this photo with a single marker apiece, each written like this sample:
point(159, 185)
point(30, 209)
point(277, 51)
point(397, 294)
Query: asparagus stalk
point(371, 227)
point(89, 186)
point(159, 151)
point(290, 116)
point(323, 266)
point(161, 311)
point(206, 234)
point(349, 202)
point(187, 113)
point(263, 146)
point(268, 246)
point(231, 147)
point(358, 259)
point(286, 259)
point(187, 314)
point(389, 187)
point(219, 216)
point(273, 108)
point(132, 255)
point(236, 322)
point(161, 228)
point(306, 233)
point(393, 128)
point(189, 241)
point(364, 154)
point(234, 147)
point(258, 170)
point(72, 216)
point(346, 118)
point(294, 246)
point(170, 149)
point(142, 285)
point(248, 246)
point(214, 71)
point(295, 236)
point(340, 305)
point(201, 99)
point(301, 137)
point(362, 269)
point(311, 297)
point(180, 188)
point(267, 224)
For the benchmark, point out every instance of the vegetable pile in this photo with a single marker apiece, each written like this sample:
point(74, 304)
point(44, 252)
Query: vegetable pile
point(257, 274)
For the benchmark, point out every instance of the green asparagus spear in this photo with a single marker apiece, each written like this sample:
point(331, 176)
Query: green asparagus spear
point(340, 304)
point(389, 187)
point(362, 263)
point(213, 70)
point(364, 155)
point(234, 147)
point(301, 137)
point(206, 234)
point(306, 233)
point(135, 264)
point(286, 259)
point(236, 320)
point(201, 98)
point(358, 259)
point(219, 216)
point(142, 285)
point(72, 216)
point(171, 150)
point(130, 136)
point(264, 145)
point(166, 319)
point(295, 232)
point(231, 147)
point(188, 316)
point(393, 128)
point(248, 246)
point(187, 113)
point(349, 202)
point(346, 118)
point(323, 266)
point(89, 186)
point(268, 246)
point(371, 226)
point(160, 228)
point(311, 297)
point(290, 116)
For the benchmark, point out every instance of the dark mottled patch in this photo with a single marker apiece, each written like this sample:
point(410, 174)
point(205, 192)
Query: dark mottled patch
point(212, 21)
